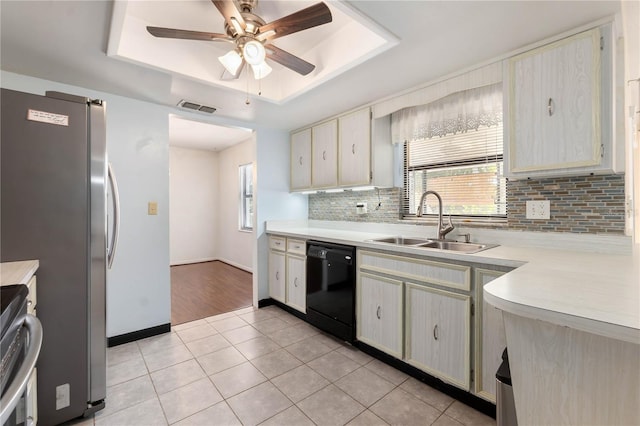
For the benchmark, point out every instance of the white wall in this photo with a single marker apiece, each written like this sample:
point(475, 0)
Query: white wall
point(193, 191)
point(235, 247)
point(138, 287)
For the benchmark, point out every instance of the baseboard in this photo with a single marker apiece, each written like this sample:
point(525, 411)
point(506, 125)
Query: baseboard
point(137, 335)
point(190, 261)
point(212, 259)
point(236, 265)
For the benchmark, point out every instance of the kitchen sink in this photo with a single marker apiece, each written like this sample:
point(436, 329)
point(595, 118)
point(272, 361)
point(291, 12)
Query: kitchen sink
point(435, 244)
point(403, 241)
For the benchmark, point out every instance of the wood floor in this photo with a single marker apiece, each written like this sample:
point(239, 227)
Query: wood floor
point(200, 290)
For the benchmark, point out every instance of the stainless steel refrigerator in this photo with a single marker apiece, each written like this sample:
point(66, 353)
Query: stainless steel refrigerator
point(53, 207)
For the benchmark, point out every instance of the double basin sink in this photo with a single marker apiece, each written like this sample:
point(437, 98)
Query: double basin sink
point(435, 244)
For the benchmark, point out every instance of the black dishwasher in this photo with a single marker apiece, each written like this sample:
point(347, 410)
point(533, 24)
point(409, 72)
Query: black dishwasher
point(331, 281)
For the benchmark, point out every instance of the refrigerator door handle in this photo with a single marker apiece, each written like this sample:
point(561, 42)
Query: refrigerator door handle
point(113, 183)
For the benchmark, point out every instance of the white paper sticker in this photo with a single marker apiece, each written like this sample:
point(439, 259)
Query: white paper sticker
point(48, 117)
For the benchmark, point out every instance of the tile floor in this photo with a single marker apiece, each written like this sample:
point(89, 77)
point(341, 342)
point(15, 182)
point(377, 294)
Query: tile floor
point(265, 367)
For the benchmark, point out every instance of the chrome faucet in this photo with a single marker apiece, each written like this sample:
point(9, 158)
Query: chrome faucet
point(442, 228)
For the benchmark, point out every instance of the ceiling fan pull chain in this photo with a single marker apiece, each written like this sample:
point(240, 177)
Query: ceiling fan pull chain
point(247, 102)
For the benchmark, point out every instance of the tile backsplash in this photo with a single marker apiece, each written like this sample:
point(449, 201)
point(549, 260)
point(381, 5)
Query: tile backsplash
point(579, 204)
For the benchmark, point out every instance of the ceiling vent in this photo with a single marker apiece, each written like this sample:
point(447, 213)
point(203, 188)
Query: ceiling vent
point(196, 107)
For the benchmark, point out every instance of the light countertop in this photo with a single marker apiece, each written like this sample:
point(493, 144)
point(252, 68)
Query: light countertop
point(594, 292)
point(17, 272)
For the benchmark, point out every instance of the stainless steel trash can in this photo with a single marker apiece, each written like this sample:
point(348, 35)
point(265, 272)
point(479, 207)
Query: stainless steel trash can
point(505, 404)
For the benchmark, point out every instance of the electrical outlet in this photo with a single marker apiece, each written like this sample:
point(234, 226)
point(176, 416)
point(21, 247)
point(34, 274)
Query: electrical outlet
point(152, 208)
point(538, 209)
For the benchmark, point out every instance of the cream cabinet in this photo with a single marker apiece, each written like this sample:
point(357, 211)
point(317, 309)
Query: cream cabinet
point(301, 160)
point(490, 338)
point(560, 105)
point(287, 271)
point(379, 313)
point(354, 148)
point(324, 155)
point(438, 333)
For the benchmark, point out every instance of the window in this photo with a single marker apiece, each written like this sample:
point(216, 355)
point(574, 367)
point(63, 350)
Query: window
point(454, 146)
point(246, 197)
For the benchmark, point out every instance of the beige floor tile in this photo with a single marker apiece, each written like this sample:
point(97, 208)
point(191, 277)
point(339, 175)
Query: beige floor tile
point(176, 376)
point(237, 379)
point(365, 386)
point(188, 400)
point(127, 394)
point(123, 353)
point(330, 406)
point(257, 347)
point(290, 335)
point(259, 403)
point(159, 342)
point(125, 371)
point(198, 332)
point(270, 325)
point(145, 413)
point(468, 416)
point(387, 372)
point(167, 357)
point(243, 311)
point(256, 316)
point(221, 360)
point(219, 317)
point(218, 414)
point(207, 345)
point(427, 394)
point(401, 408)
point(227, 324)
point(241, 334)
point(445, 420)
point(299, 383)
point(276, 363)
point(333, 366)
point(367, 418)
point(355, 354)
point(189, 324)
point(330, 341)
point(308, 349)
point(292, 416)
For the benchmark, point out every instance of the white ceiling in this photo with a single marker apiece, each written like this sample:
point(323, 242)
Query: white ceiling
point(193, 134)
point(66, 41)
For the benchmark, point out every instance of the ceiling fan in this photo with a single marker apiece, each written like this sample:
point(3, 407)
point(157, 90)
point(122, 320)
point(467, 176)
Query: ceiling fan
point(252, 36)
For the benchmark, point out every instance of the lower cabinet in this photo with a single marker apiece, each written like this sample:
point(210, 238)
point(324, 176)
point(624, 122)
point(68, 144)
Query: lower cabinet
point(288, 272)
point(490, 339)
point(277, 269)
point(296, 279)
point(438, 333)
point(379, 313)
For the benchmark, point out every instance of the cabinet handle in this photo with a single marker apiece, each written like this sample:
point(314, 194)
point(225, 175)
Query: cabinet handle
point(353, 148)
point(550, 107)
point(300, 160)
point(295, 281)
point(324, 155)
point(277, 275)
point(378, 312)
point(435, 332)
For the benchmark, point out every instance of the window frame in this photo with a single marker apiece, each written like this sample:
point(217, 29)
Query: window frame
point(246, 216)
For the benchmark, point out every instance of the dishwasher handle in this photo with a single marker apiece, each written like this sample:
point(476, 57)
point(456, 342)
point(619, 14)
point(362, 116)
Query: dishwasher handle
point(20, 381)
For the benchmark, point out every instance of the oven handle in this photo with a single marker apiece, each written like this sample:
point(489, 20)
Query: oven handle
point(19, 383)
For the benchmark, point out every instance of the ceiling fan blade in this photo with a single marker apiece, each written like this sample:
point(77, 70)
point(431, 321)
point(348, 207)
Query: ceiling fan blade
point(187, 34)
point(310, 17)
point(228, 9)
point(288, 60)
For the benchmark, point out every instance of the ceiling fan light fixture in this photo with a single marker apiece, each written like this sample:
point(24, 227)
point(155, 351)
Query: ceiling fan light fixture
point(231, 61)
point(253, 52)
point(261, 70)
point(236, 26)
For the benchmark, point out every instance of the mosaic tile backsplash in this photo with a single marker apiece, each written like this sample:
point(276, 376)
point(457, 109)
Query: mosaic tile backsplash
point(579, 204)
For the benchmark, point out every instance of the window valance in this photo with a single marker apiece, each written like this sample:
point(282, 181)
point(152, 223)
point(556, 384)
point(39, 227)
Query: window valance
point(455, 113)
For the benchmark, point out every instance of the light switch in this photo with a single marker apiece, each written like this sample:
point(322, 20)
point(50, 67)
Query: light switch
point(152, 208)
point(538, 209)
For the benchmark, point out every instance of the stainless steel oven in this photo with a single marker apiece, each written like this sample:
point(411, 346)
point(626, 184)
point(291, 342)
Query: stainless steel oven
point(20, 342)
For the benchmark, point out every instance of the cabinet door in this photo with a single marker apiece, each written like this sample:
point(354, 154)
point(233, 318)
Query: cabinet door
point(296, 283)
point(301, 160)
point(490, 339)
point(379, 313)
point(555, 105)
point(437, 333)
point(324, 147)
point(354, 148)
point(277, 276)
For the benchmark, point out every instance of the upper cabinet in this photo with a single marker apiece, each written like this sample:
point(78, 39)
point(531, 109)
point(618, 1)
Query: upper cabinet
point(344, 152)
point(301, 160)
point(559, 108)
